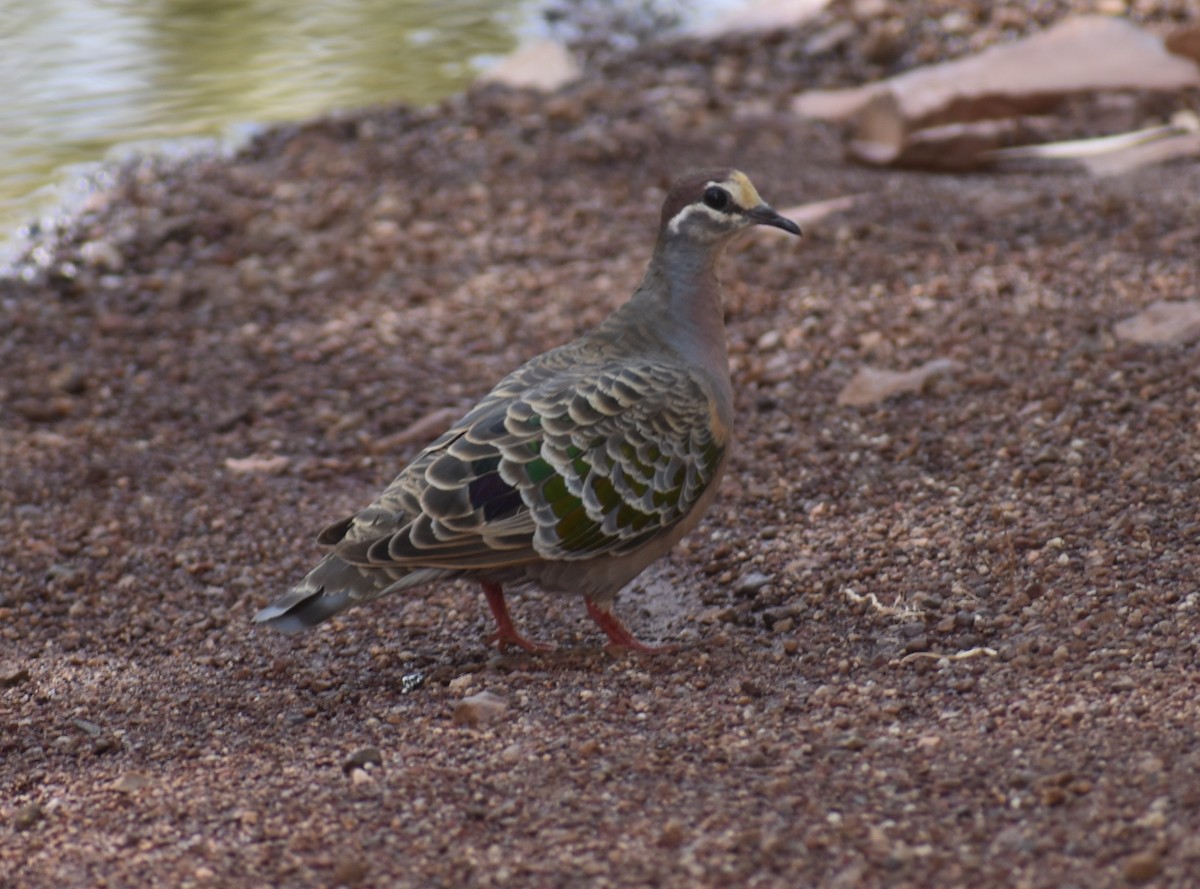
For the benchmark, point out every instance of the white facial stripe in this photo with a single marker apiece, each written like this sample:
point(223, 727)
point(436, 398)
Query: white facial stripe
point(691, 210)
point(744, 197)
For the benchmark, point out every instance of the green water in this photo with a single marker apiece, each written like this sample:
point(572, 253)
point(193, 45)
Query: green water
point(83, 76)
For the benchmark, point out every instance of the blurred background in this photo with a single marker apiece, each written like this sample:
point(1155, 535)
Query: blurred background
point(89, 78)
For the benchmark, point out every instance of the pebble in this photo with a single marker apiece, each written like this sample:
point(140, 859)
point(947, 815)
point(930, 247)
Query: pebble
point(132, 782)
point(27, 816)
point(479, 709)
point(1142, 867)
point(917, 643)
point(88, 728)
point(10, 677)
point(364, 756)
point(672, 836)
point(750, 583)
point(461, 683)
point(589, 748)
point(349, 872)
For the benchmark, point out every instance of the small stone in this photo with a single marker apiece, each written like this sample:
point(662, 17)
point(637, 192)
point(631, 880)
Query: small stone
point(410, 682)
point(204, 873)
point(917, 643)
point(131, 782)
point(10, 676)
point(784, 626)
point(103, 255)
point(479, 709)
point(88, 728)
point(27, 816)
point(542, 65)
point(750, 583)
point(255, 465)
point(672, 835)
point(1143, 866)
point(589, 748)
point(871, 385)
point(107, 743)
point(364, 756)
point(349, 872)
point(461, 683)
point(1053, 796)
point(752, 689)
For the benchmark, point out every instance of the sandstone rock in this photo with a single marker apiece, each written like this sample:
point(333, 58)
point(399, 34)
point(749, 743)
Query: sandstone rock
point(479, 709)
point(1085, 54)
point(759, 15)
point(1162, 322)
point(871, 385)
point(542, 65)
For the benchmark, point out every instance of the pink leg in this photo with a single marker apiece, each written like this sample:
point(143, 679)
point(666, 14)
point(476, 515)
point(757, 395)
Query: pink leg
point(618, 634)
point(506, 633)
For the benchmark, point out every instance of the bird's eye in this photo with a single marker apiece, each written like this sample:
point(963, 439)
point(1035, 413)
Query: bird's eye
point(717, 198)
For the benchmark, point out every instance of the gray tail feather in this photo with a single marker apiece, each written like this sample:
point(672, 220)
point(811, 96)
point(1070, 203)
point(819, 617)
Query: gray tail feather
point(333, 586)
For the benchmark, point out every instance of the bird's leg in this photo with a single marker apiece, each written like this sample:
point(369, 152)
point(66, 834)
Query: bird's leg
point(618, 634)
point(506, 633)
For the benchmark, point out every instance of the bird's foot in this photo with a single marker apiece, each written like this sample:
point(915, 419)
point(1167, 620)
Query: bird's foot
point(619, 636)
point(505, 638)
point(506, 633)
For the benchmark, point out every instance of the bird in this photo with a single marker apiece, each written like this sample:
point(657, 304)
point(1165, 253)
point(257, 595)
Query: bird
point(581, 467)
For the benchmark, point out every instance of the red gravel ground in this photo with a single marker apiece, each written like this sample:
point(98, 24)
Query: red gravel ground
point(224, 355)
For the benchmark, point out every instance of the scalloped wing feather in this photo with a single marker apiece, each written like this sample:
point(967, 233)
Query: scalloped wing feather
point(558, 462)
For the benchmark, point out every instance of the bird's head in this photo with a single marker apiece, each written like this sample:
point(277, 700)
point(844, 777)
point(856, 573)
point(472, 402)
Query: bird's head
point(711, 206)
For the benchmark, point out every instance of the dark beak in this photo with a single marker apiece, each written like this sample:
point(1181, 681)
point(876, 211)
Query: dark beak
point(764, 215)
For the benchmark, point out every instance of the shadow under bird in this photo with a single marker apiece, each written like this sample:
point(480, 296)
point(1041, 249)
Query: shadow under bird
point(579, 468)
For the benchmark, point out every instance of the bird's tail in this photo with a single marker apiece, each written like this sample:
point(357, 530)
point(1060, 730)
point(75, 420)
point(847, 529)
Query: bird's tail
point(332, 587)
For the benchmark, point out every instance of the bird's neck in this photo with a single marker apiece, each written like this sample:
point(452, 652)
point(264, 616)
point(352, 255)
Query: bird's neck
point(679, 306)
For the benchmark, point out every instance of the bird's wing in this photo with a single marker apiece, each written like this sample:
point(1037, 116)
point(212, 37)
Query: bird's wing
point(588, 461)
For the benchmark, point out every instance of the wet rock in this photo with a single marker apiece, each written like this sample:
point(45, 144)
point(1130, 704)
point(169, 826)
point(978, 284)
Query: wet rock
point(542, 65)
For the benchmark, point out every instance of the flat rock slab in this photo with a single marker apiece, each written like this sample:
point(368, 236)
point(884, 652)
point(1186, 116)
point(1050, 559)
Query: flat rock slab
point(1083, 55)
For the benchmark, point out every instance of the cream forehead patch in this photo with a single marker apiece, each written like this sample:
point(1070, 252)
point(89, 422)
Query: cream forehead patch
point(741, 189)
